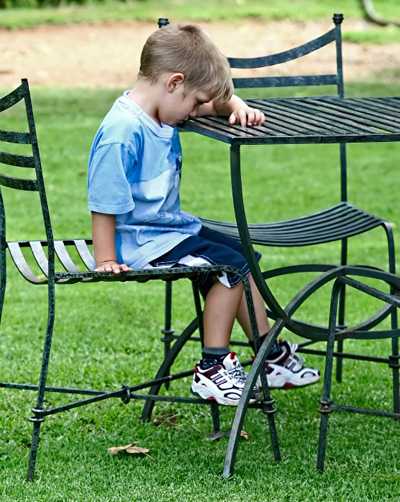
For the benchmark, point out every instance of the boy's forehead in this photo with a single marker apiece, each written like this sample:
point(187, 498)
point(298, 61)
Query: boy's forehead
point(203, 96)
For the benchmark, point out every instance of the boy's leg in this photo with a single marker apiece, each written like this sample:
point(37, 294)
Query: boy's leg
point(219, 375)
point(259, 308)
point(220, 310)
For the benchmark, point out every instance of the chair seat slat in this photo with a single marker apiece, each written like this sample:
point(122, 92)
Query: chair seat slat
point(297, 115)
point(382, 104)
point(315, 229)
point(337, 116)
point(64, 257)
point(360, 120)
point(15, 137)
point(20, 262)
point(336, 223)
point(336, 211)
point(40, 256)
point(84, 253)
point(307, 239)
point(390, 117)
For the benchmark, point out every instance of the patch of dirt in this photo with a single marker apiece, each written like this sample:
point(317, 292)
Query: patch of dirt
point(107, 55)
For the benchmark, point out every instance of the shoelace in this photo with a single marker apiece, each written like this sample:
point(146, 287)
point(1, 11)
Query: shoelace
point(294, 362)
point(238, 374)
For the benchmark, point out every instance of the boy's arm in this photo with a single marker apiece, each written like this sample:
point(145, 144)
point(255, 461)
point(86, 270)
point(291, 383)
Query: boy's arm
point(236, 109)
point(103, 231)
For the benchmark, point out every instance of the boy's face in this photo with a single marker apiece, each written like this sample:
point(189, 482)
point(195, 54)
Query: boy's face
point(179, 103)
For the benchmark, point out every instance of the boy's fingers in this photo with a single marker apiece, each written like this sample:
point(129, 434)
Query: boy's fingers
point(252, 117)
point(259, 117)
point(232, 118)
point(243, 118)
point(247, 117)
point(115, 268)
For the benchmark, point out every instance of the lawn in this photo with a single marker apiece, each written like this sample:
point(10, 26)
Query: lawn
point(108, 335)
point(206, 10)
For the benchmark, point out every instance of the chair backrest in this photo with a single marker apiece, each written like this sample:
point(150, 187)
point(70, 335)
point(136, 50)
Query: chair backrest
point(332, 36)
point(32, 162)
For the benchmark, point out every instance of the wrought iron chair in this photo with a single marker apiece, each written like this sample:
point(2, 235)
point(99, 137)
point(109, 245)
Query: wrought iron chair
point(336, 223)
point(48, 254)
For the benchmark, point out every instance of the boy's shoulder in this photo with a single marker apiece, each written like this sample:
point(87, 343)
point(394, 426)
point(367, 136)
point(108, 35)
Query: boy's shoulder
point(126, 120)
point(122, 122)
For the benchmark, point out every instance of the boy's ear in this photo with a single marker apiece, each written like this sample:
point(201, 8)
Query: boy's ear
point(174, 81)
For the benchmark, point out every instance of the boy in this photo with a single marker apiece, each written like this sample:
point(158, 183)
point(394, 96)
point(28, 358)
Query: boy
point(134, 176)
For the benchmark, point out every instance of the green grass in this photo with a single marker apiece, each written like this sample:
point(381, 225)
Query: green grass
point(107, 335)
point(297, 10)
point(373, 35)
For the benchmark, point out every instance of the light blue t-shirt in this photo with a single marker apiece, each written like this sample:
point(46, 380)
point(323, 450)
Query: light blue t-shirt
point(134, 173)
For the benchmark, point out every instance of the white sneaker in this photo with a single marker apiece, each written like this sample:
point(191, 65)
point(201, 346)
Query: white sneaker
point(287, 370)
point(216, 384)
point(235, 370)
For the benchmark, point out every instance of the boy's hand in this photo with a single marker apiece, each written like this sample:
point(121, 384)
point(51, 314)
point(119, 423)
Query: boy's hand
point(247, 116)
point(238, 112)
point(112, 266)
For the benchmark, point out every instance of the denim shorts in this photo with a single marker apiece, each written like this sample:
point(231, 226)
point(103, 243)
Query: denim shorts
point(216, 249)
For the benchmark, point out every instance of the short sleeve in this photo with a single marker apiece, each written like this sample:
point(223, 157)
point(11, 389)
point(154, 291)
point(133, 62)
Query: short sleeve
point(109, 190)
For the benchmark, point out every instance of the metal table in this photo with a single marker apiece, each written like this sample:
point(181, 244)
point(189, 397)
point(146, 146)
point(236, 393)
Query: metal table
point(309, 120)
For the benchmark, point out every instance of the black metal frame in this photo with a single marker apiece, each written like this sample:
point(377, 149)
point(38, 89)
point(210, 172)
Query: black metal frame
point(49, 253)
point(343, 277)
point(307, 121)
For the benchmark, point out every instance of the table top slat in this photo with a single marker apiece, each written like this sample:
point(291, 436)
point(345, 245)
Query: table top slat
point(391, 108)
point(339, 117)
point(371, 114)
point(361, 118)
point(323, 119)
point(318, 125)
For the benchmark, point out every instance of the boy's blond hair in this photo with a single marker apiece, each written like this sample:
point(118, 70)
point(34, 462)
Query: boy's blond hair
point(187, 49)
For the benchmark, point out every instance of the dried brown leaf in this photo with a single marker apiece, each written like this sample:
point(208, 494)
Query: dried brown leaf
point(244, 435)
point(137, 450)
point(131, 449)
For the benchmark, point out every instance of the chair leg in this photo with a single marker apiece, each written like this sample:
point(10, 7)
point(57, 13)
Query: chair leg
point(342, 312)
point(37, 418)
point(167, 332)
point(394, 363)
point(215, 416)
point(3, 280)
point(326, 403)
point(268, 408)
point(199, 310)
point(394, 358)
point(34, 449)
point(340, 343)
